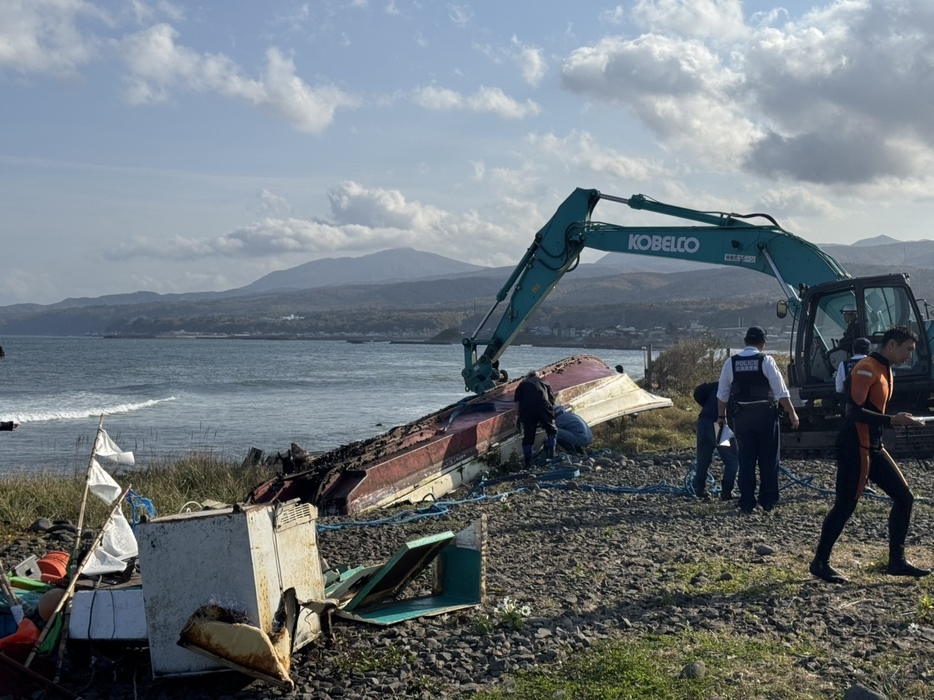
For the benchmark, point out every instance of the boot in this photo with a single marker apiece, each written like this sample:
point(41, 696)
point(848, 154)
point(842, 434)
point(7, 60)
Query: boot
point(550, 442)
point(726, 494)
point(822, 569)
point(527, 455)
point(899, 566)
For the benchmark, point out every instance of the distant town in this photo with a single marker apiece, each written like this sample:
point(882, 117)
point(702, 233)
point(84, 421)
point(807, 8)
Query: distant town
point(621, 338)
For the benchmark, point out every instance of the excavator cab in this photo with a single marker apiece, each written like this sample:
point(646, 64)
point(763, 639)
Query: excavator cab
point(827, 328)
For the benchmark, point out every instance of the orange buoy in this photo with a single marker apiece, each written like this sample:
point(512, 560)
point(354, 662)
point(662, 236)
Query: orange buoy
point(53, 567)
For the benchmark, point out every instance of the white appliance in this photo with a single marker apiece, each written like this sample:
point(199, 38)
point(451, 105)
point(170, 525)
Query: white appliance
point(242, 558)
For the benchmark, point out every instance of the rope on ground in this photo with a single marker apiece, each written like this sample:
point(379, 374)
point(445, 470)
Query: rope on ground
point(558, 479)
point(808, 482)
point(546, 479)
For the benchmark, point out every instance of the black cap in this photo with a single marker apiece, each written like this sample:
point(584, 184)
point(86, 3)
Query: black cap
point(755, 335)
point(861, 346)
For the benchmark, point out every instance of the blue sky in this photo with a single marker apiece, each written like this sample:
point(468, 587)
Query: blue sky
point(176, 146)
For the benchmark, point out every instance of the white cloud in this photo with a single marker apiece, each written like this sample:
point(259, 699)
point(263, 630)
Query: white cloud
point(679, 89)
point(460, 15)
point(580, 150)
point(351, 203)
point(796, 200)
point(533, 65)
point(714, 20)
point(840, 97)
point(495, 101)
point(42, 36)
point(614, 15)
point(157, 65)
point(363, 219)
point(847, 92)
point(273, 205)
point(438, 98)
point(485, 100)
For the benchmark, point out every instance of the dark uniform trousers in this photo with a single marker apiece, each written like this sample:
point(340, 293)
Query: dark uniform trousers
point(754, 420)
point(758, 442)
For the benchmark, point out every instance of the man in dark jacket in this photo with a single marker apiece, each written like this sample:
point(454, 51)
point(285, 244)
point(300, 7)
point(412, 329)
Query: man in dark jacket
point(710, 437)
point(535, 404)
point(573, 432)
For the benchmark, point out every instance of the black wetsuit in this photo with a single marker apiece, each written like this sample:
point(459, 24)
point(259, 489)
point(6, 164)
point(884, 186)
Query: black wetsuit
point(861, 456)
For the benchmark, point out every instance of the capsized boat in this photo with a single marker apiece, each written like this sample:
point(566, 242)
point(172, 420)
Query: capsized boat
point(437, 453)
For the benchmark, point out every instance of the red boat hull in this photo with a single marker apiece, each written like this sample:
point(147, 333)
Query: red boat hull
point(362, 475)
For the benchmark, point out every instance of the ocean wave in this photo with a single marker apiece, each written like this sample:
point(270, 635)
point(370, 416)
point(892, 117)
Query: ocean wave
point(77, 413)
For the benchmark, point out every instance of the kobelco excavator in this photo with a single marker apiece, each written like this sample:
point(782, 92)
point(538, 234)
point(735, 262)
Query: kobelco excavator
point(815, 289)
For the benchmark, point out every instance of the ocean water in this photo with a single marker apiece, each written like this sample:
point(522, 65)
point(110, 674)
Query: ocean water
point(165, 398)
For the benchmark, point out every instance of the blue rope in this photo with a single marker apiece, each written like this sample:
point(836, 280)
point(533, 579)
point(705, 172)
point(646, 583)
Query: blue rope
point(807, 482)
point(408, 516)
point(565, 474)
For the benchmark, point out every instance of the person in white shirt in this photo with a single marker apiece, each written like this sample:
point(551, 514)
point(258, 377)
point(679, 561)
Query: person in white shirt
point(750, 390)
point(861, 348)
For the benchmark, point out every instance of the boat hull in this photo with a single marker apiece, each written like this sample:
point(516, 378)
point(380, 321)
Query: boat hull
point(438, 452)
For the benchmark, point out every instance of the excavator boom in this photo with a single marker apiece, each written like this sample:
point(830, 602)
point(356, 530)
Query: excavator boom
point(713, 237)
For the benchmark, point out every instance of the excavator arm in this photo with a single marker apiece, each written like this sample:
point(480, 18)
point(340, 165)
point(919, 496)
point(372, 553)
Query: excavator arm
point(715, 237)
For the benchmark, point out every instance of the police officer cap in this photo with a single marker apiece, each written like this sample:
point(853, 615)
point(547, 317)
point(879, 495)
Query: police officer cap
point(848, 309)
point(755, 335)
point(861, 346)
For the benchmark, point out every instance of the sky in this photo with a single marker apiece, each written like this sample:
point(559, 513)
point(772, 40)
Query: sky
point(181, 146)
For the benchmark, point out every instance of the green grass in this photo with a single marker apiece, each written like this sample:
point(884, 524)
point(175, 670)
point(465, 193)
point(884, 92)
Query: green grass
point(169, 486)
point(649, 667)
point(360, 661)
point(745, 580)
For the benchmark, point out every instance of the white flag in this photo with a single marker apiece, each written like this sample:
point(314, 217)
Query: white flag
point(118, 545)
point(102, 484)
point(105, 447)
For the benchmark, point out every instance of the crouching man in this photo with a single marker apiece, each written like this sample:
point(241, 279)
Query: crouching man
point(573, 432)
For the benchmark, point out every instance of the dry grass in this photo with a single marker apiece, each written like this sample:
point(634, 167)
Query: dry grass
point(662, 429)
point(169, 486)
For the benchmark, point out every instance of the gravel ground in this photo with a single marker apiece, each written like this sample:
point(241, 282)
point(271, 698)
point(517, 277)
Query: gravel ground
point(592, 562)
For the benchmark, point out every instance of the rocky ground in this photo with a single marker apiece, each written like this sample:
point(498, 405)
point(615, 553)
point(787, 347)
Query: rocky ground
point(607, 556)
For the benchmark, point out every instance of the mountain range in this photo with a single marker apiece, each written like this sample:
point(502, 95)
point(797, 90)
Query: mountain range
point(436, 286)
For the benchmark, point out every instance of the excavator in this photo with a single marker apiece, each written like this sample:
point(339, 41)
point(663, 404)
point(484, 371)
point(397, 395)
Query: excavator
point(815, 290)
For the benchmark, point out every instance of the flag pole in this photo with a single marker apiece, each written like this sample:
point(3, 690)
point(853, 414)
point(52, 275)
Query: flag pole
point(87, 487)
point(50, 623)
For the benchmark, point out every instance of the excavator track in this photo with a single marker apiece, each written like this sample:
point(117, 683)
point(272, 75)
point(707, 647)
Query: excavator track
point(902, 442)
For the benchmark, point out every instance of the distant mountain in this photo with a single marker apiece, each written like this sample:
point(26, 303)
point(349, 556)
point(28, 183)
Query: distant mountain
point(373, 289)
point(624, 263)
point(395, 265)
point(918, 254)
point(875, 240)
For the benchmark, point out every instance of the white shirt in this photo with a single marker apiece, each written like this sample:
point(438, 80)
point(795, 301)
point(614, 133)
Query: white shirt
point(769, 369)
point(841, 373)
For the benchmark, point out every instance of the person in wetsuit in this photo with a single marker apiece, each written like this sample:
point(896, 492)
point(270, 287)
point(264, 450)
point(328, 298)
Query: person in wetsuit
point(861, 456)
point(535, 405)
